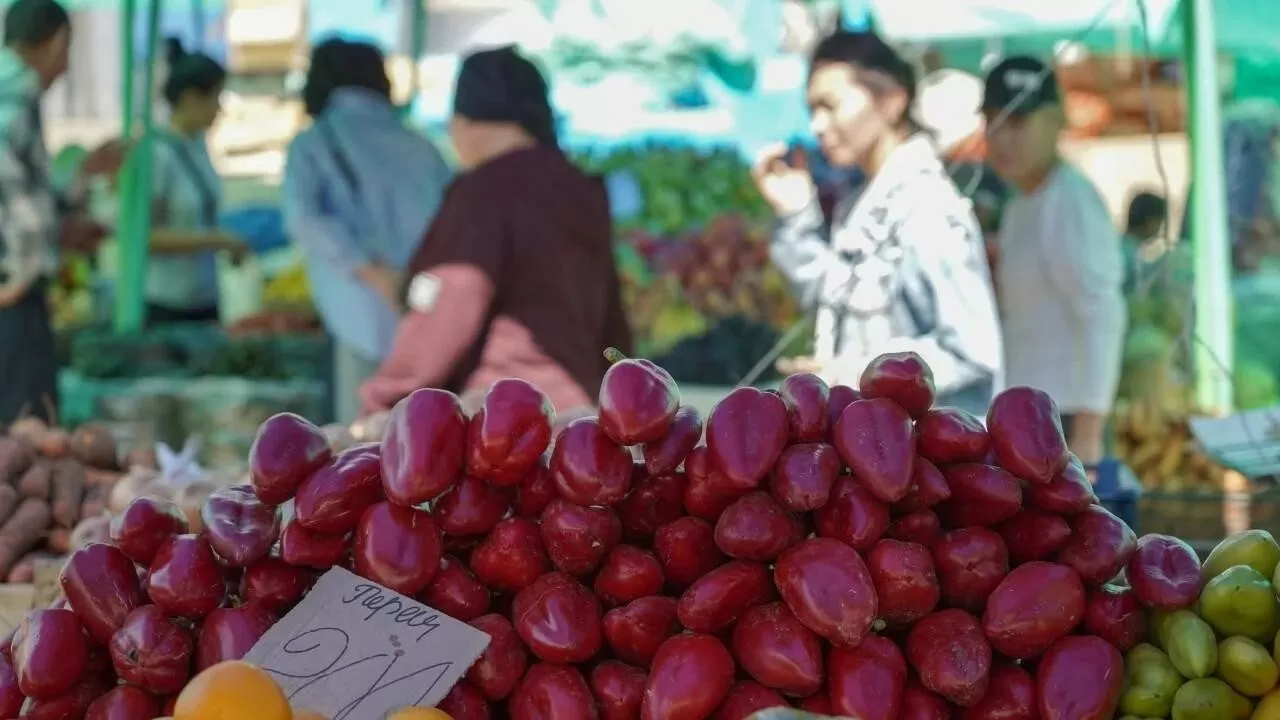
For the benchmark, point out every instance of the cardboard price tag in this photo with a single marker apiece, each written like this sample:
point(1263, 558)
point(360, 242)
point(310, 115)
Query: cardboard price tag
point(355, 650)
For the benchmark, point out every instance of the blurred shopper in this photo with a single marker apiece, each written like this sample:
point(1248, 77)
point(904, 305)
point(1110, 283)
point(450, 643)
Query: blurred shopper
point(1144, 241)
point(34, 219)
point(360, 187)
point(903, 267)
point(182, 276)
point(515, 278)
point(1060, 265)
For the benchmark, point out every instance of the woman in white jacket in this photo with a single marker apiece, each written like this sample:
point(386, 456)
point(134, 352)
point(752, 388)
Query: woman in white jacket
point(903, 266)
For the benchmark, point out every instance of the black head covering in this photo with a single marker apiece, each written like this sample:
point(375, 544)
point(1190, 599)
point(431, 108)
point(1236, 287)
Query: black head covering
point(502, 86)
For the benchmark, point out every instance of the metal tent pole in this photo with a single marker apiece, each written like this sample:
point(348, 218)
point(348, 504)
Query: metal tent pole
point(1213, 322)
point(417, 43)
point(128, 46)
point(135, 232)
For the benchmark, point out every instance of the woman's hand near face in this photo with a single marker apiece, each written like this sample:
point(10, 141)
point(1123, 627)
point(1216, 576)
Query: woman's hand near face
point(788, 189)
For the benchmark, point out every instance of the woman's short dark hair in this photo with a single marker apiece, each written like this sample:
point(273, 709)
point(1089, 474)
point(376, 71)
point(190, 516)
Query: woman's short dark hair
point(868, 51)
point(34, 22)
point(338, 63)
point(190, 71)
point(1146, 207)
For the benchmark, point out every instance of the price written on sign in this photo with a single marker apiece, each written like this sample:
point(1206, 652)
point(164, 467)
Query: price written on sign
point(354, 650)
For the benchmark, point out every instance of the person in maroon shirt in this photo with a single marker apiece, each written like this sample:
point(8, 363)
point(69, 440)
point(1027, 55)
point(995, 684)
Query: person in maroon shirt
point(515, 278)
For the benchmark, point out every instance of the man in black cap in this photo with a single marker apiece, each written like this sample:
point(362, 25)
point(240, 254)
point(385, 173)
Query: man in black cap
point(1060, 267)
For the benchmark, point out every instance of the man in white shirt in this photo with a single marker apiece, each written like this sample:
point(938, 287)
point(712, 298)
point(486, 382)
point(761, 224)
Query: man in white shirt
point(1060, 266)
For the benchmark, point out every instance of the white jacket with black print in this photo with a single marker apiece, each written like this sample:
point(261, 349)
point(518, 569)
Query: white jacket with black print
point(903, 268)
point(29, 214)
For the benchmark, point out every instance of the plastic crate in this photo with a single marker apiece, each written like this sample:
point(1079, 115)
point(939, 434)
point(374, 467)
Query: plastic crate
point(1118, 490)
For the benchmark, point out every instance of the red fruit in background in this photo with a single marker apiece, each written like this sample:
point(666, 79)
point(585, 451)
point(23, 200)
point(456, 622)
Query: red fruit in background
point(72, 704)
point(653, 502)
point(1035, 605)
point(804, 475)
point(853, 515)
point(299, 546)
point(153, 651)
point(746, 433)
point(902, 377)
point(558, 619)
point(101, 586)
point(756, 527)
point(708, 491)
point(746, 699)
point(906, 584)
point(635, 630)
point(951, 655)
point(820, 704)
point(423, 446)
point(535, 490)
point(1026, 434)
point(618, 689)
point(397, 547)
point(1068, 493)
point(124, 703)
point(511, 556)
point(628, 573)
point(185, 578)
point(838, 398)
point(690, 676)
point(470, 507)
point(240, 527)
point(1164, 573)
point(143, 525)
point(1100, 545)
point(665, 454)
point(921, 527)
point(552, 691)
point(334, 497)
point(1079, 678)
point(638, 401)
point(11, 697)
point(50, 653)
point(805, 397)
point(230, 633)
point(981, 495)
point(876, 439)
point(716, 599)
point(509, 433)
point(455, 592)
point(1116, 615)
point(577, 538)
point(275, 584)
point(587, 467)
point(826, 584)
point(464, 702)
point(778, 650)
point(951, 435)
point(498, 670)
point(286, 450)
point(866, 682)
point(1011, 695)
point(970, 564)
point(1033, 535)
point(687, 550)
point(928, 488)
point(918, 703)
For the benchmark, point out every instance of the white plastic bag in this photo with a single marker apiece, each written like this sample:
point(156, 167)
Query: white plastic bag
point(178, 470)
point(239, 288)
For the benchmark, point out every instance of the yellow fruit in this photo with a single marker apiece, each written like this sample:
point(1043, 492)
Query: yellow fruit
point(1247, 666)
point(419, 713)
point(233, 689)
point(1191, 644)
point(1256, 548)
point(1268, 707)
point(1150, 682)
point(1240, 601)
point(1204, 699)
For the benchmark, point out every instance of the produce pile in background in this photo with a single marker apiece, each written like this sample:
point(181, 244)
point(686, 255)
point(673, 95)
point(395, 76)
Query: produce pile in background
point(845, 551)
point(678, 290)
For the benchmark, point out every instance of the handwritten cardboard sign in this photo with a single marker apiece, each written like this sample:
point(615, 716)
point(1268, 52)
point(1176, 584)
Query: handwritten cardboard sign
point(355, 650)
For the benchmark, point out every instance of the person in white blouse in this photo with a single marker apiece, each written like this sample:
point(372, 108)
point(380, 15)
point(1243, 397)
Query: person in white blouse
point(1060, 264)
